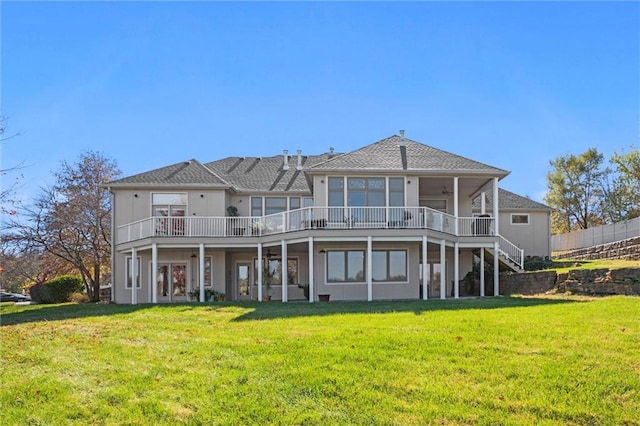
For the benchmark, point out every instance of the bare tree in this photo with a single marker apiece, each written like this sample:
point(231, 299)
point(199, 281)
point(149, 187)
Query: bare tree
point(72, 219)
point(8, 200)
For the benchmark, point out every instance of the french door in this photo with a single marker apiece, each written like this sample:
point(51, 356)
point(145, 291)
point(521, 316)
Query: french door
point(243, 280)
point(172, 282)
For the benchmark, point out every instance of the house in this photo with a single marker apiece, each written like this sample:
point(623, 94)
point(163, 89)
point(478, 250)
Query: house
point(523, 221)
point(391, 220)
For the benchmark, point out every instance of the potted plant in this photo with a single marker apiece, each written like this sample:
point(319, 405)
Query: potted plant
point(234, 224)
point(194, 294)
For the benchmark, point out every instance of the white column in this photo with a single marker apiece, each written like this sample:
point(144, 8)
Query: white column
point(311, 270)
point(482, 283)
point(495, 206)
point(496, 269)
point(456, 270)
point(443, 270)
point(283, 271)
point(154, 273)
point(134, 274)
point(369, 270)
point(201, 271)
point(425, 269)
point(260, 267)
point(483, 202)
point(455, 202)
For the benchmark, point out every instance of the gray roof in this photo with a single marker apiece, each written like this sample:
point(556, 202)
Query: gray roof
point(398, 153)
point(264, 174)
point(190, 172)
point(509, 201)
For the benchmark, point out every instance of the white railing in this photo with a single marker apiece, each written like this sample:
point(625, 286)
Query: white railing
point(597, 235)
point(306, 219)
point(512, 252)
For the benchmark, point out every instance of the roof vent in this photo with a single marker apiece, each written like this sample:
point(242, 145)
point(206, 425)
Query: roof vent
point(285, 156)
point(402, 142)
point(331, 150)
point(299, 166)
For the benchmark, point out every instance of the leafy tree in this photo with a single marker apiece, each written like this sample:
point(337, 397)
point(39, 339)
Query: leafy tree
point(622, 187)
point(72, 219)
point(574, 184)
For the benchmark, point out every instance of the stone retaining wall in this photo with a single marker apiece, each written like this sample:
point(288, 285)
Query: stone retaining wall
point(597, 282)
point(625, 249)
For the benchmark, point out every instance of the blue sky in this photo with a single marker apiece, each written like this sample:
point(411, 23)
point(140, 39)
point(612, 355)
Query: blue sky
point(511, 84)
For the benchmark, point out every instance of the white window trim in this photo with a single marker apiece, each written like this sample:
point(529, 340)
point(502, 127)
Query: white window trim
point(520, 214)
point(186, 206)
point(127, 271)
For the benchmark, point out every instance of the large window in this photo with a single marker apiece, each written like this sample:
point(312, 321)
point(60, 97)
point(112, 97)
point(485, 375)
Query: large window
point(169, 204)
point(389, 265)
point(366, 192)
point(273, 205)
point(345, 266)
point(129, 273)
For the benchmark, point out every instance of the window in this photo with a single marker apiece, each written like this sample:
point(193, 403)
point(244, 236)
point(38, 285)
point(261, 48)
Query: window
point(275, 270)
point(207, 271)
point(396, 192)
point(345, 266)
point(170, 208)
point(273, 205)
point(519, 219)
point(389, 265)
point(256, 206)
point(369, 192)
point(294, 203)
point(169, 204)
point(129, 273)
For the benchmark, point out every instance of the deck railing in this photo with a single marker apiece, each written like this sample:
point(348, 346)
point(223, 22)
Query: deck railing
point(305, 219)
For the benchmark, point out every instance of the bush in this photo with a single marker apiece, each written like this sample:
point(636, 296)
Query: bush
point(38, 293)
point(57, 290)
point(79, 298)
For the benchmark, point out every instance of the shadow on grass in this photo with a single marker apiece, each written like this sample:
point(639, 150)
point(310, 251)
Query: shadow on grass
point(252, 311)
point(273, 310)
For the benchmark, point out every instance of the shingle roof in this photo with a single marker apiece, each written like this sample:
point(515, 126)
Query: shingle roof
point(190, 172)
point(390, 154)
point(263, 174)
point(509, 201)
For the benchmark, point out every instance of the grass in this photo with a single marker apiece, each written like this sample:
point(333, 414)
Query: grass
point(565, 265)
point(489, 361)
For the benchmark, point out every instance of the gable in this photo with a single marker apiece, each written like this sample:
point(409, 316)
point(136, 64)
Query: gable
point(509, 201)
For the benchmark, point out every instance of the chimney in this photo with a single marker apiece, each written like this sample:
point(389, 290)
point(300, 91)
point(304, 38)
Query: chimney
point(285, 156)
point(402, 141)
point(299, 166)
point(331, 150)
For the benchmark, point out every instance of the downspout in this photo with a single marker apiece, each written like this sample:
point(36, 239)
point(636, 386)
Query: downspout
point(113, 246)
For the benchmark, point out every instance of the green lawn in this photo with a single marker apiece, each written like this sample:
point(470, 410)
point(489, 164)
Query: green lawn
point(491, 361)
